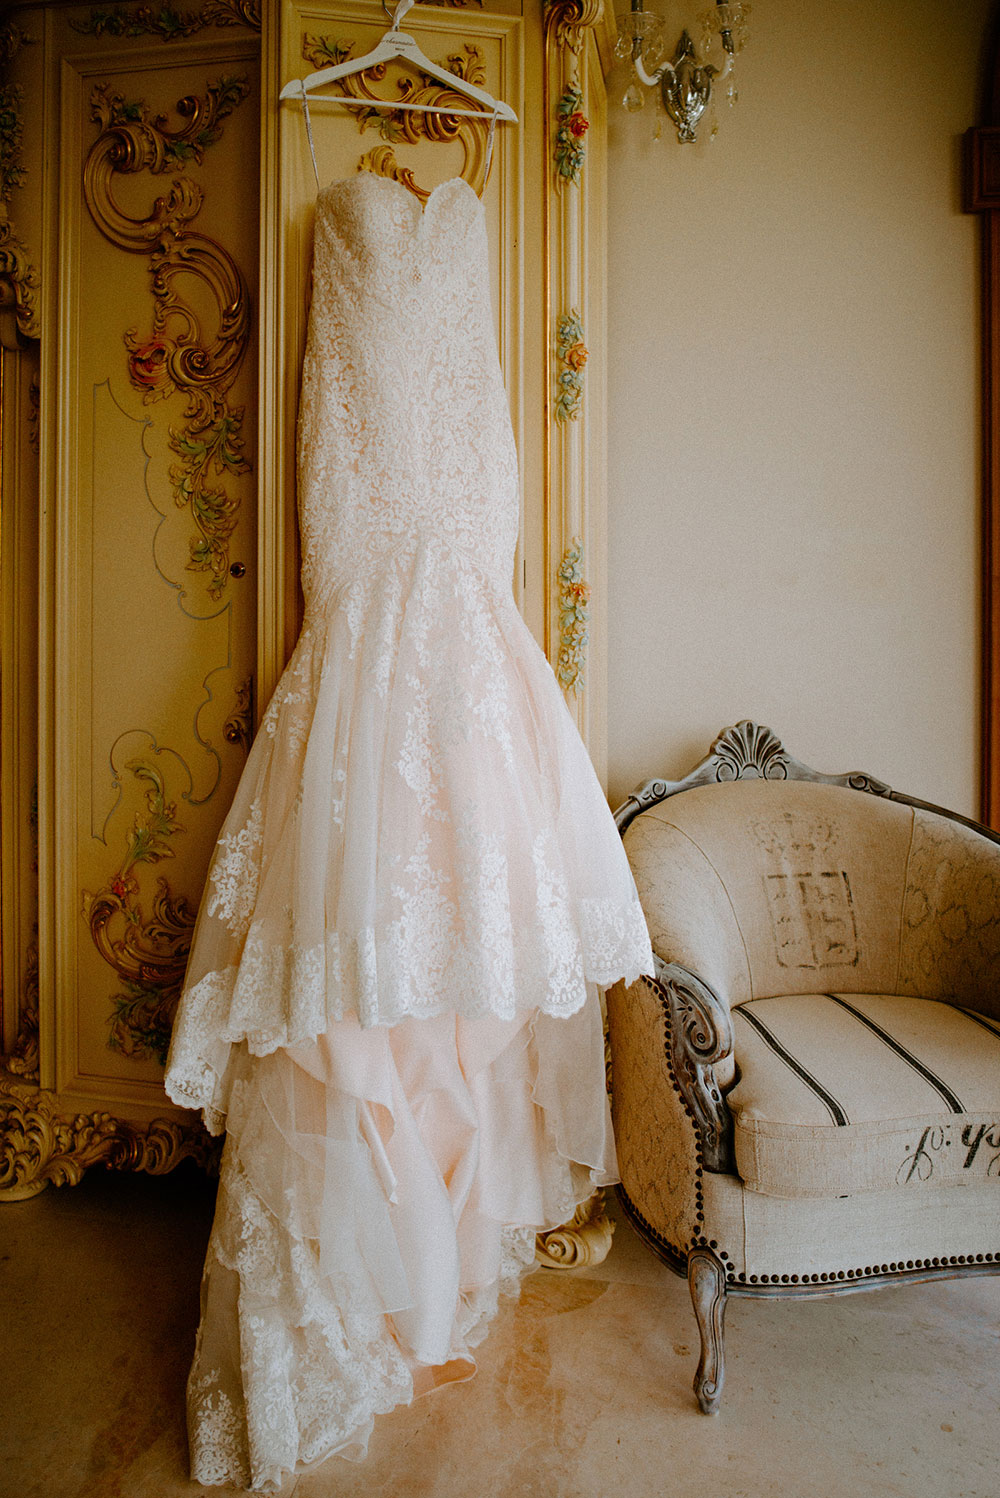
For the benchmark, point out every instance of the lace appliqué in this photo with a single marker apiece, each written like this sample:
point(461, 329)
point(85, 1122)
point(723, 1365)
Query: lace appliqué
point(234, 877)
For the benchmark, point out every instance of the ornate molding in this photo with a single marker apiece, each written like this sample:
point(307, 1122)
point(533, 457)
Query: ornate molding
point(238, 727)
point(574, 618)
point(39, 1145)
point(568, 21)
point(585, 1239)
point(164, 21)
point(572, 354)
point(12, 39)
point(178, 357)
point(34, 414)
point(699, 1036)
point(751, 751)
point(23, 1059)
point(400, 127)
point(571, 127)
point(148, 954)
point(21, 277)
point(12, 170)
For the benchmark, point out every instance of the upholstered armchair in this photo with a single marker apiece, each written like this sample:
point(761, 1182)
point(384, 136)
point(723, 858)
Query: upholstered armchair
point(807, 1096)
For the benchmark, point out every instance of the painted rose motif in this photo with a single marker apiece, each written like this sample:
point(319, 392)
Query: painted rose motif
point(576, 356)
point(571, 127)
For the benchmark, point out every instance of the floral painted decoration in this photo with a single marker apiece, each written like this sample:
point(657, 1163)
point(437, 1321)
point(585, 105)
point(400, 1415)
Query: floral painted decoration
point(572, 354)
point(572, 126)
point(574, 618)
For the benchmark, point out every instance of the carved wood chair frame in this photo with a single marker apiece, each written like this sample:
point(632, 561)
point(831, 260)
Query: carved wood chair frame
point(699, 1037)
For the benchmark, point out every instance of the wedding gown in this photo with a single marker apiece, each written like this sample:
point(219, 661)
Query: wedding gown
point(391, 1001)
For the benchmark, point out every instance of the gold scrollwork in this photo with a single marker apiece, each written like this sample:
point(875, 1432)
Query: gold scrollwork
point(165, 22)
point(16, 270)
point(178, 357)
point(585, 1239)
point(567, 21)
point(149, 954)
point(238, 727)
point(401, 127)
point(23, 1059)
point(41, 1146)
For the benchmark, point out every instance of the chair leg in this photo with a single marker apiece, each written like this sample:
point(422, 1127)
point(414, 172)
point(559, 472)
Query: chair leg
point(707, 1280)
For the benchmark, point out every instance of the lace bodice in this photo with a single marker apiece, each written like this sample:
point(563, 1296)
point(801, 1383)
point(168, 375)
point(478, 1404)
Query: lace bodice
point(404, 431)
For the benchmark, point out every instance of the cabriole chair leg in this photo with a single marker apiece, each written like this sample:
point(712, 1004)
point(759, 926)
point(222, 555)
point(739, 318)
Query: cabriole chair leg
point(707, 1279)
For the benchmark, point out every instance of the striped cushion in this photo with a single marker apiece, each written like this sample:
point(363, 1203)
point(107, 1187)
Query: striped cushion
point(840, 1093)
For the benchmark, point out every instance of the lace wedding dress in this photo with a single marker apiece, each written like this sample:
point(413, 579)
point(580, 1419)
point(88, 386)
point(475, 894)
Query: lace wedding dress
point(391, 1001)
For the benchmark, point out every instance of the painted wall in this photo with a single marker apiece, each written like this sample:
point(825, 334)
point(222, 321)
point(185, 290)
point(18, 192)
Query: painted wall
point(794, 448)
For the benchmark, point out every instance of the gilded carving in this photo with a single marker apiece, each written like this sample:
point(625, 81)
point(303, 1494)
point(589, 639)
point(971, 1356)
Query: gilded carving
point(574, 618)
point(238, 727)
point(148, 953)
point(23, 1059)
point(571, 127)
point(178, 357)
point(39, 1145)
point(12, 39)
point(403, 127)
point(15, 261)
point(572, 354)
point(34, 413)
point(585, 1239)
point(568, 21)
point(165, 22)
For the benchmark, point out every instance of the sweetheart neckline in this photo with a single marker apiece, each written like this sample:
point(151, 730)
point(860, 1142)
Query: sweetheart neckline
point(400, 187)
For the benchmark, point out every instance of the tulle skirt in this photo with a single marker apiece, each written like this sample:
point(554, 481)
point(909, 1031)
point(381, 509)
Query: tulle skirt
point(391, 1005)
point(380, 1189)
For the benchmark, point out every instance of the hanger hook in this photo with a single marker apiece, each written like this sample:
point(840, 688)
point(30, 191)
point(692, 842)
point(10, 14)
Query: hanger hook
point(400, 11)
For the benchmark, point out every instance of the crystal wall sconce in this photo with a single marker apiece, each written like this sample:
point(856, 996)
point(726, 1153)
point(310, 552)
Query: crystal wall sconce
point(685, 81)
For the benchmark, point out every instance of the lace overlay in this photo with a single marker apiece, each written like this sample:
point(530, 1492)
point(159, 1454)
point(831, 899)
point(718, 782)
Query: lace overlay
point(391, 993)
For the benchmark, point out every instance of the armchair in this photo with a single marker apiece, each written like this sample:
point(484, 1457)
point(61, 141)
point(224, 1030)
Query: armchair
point(807, 1096)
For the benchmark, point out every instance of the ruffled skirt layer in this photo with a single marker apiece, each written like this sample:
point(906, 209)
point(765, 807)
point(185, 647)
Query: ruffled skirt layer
point(380, 1188)
point(418, 830)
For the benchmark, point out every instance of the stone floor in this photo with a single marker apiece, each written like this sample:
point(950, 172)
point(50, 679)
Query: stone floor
point(584, 1388)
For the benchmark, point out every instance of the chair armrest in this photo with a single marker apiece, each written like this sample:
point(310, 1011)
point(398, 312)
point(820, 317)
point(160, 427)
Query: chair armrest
point(699, 1040)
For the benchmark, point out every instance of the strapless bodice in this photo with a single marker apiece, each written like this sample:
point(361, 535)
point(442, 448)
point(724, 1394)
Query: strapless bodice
point(404, 430)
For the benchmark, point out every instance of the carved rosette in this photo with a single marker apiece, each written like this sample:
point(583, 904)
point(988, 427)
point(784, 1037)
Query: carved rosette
point(39, 1145)
point(164, 21)
point(401, 127)
point(178, 357)
point(571, 128)
point(585, 1239)
point(572, 355)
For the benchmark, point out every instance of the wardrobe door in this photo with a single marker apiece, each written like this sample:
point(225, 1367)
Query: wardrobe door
point(141, 193)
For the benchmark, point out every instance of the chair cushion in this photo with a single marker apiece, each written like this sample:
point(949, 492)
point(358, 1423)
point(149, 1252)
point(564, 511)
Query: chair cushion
point(841, 1093)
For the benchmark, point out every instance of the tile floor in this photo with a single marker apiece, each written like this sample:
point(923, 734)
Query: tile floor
point(584, 1388)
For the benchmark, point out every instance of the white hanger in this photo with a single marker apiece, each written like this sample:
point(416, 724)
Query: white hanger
point(400, 45)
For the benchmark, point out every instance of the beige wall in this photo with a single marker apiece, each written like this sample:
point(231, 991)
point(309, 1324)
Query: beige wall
point(794, 458)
